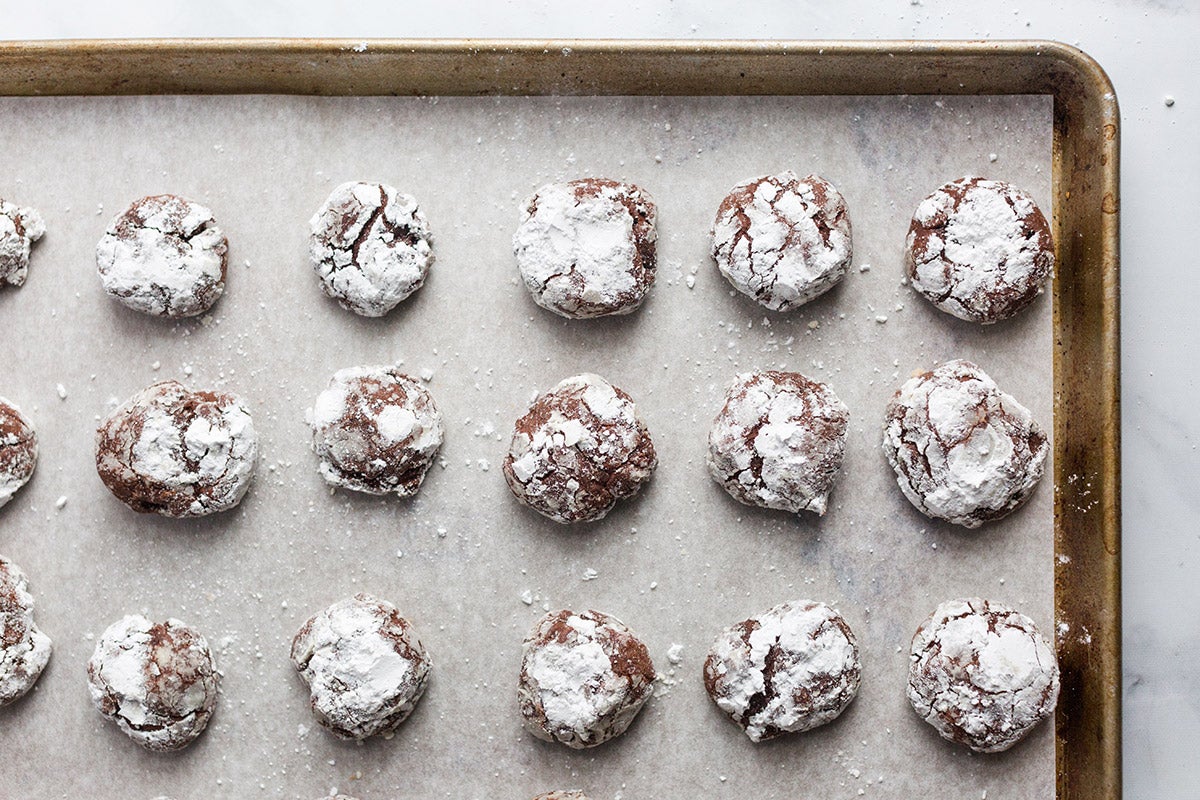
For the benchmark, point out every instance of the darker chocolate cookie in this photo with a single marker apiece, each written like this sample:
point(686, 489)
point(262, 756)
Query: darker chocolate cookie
point(18, 450)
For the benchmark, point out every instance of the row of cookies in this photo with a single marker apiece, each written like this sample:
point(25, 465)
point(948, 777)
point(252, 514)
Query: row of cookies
point(978, 249)
point(962, 450)
point(980, 672)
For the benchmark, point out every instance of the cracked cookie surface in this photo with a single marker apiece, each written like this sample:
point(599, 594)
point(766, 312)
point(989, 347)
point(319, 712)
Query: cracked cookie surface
point(982, 674)
point(962, 450)
point(371, 247)
point(156, 681)
point(376, 430)
point(586, 248)
point(791, 668)
point(164, 256)
point(778, 441)
point(176, 452)
point(783, 240)
point(579, 449)
point(24, 649)
point(979, 249)
point(19, 228)
point(364, 666)
point(18, 450)
point(584, 677)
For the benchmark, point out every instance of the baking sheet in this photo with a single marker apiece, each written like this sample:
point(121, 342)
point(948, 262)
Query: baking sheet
point(677, 563)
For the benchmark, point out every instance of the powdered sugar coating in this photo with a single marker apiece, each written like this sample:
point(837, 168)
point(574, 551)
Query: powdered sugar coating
point(979, 249)
point(963, 450)
point(20, 227)
point(586, 248)
point(364, 666)
point(579, 449)
point(24, 649)
point(982, 674)
point(177, 452)
point(778, 441)
point(18, 450)
point(156, 681)
point(783, 240)
point(791, 668)
point(164, 255)
point(584, 677)
point(371, 247)
point(376, 430)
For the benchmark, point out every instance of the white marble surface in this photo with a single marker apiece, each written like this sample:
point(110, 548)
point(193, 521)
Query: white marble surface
point(1149, 50)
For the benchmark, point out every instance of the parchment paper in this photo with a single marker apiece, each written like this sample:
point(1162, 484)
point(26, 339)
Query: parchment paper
point(677, 564)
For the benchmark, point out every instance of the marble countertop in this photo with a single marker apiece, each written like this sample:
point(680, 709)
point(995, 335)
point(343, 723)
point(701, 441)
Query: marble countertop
point(1148, 50)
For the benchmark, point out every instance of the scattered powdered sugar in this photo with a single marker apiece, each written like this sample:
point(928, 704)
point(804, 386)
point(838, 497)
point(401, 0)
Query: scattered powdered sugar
point(19, 228)
point(24, 649)
point(982, 674)
point(963, 450)
point(789, 669)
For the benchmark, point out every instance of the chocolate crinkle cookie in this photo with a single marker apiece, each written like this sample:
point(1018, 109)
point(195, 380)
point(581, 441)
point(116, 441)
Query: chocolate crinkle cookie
point(164, 256)
point(962, 450)
point(982, 674)
point(177, 452)
point(791, 668)
point(18, 450)
point(783, 240)
point(579, 449)
point(24, 649)
point(156, 681)
point(584, 677)
point(19, 229)
point(375, 430)
point(370, 246)
point(979, 249)
point(586, 248)
point(364, 666)
point(778, 441)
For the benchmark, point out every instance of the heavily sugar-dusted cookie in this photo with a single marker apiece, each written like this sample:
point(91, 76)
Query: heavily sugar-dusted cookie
point(584, 677)
point(19, 228)
point(24, 649)
point(791, 668)
point(783, 240)
point(18, 450)
point(375, 430)
point(177, 452)
point(586, 248)
point(165, 256)
point(579, 449)
point(979, 249)
point(155, 680)
point(778, 441)
point(982, 674)
point(371, 247)
point(962, 450)
point(364, 666)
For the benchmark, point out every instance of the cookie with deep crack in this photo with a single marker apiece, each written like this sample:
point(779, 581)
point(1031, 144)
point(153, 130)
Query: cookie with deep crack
point(18, 450)
point(20, 227)
point(24, 649)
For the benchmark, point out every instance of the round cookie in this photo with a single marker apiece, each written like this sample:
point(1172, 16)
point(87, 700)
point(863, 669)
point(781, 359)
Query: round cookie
point(579, 449)
point(778, 441)
point(791, 668)
point(19, 229)
point(979, 249)
point(165, 256)
point(783, 240)
point(375, 430)
point(24, 649)
point(18, 450)
point(364, 666)
point(962, 450)
point(982, 674)
point(586, 248)
point(371, 247)
point(156, 681)
point(584, 677)
point(176, 452)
